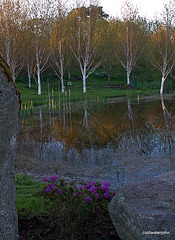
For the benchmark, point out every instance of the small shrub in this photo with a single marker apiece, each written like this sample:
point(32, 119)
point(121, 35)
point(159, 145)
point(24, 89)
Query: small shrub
point(70, 212)
point(77, 211)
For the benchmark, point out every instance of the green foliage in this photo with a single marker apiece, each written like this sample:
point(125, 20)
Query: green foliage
point(26, 193)
point(62, 210)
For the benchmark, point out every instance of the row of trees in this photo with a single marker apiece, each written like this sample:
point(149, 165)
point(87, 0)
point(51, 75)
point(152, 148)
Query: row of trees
point(39, 34)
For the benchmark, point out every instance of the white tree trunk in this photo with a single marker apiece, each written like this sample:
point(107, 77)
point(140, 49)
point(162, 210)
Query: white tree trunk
point(39, 79)
point(7, 44)
point(61, 67)
point(68, 74)
point(62, 74)
point(29, 75)
point(128, 76)
point(13, 73)
point(162, 84)
point(62, 84)
point(8, 57)
point(38, 74)
point(84, 81)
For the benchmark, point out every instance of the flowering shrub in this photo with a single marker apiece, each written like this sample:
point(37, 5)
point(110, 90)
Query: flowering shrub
point(93, 192)
point(73, 206)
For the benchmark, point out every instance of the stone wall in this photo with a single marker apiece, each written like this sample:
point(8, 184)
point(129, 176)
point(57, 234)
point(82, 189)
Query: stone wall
point(9, 127)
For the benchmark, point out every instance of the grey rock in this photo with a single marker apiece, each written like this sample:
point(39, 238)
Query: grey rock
point(146, 210)
point(9, 127)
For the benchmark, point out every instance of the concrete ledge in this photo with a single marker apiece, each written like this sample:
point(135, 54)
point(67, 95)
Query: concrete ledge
point(146, 210)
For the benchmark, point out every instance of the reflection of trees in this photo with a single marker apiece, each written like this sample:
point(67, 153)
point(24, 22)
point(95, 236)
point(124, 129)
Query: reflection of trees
point(92, 131)
point(129, 131)
point(136, 131)
point(168, 126)
point(169, 120)
point(81, 131)
point(41, 134)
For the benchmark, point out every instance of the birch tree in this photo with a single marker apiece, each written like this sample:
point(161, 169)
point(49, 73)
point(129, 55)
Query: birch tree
point(86, 34)
point(162, 43)
point(110, 60)
point(29, 53)
point(59, 43)
point(39, 28)
point(129, 39)
point(11, 35)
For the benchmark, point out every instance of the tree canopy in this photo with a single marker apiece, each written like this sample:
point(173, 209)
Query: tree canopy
point(41, 35)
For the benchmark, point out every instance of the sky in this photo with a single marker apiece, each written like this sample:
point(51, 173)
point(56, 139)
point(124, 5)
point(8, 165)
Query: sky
point(147, 8)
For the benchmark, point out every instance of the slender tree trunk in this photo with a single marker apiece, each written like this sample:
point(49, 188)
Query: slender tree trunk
point(109, 76)
point(29, 75)
point(62, 83)
point(39, 79)
point(8, 57)
point(128, 76)
point(68, 74)
point(127, 58)
point(62, 74)
point(171, 77)
point(61, 68)
point(8, 48)
point(84, 82)
point(38, 69)
point(84, 79)
point(162, 84)
point(13, 73)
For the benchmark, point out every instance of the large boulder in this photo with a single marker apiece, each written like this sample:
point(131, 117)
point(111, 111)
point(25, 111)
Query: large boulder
point(9, 127)
point(146, 210)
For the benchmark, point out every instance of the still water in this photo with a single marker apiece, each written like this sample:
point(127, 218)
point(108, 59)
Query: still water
point(120, 141)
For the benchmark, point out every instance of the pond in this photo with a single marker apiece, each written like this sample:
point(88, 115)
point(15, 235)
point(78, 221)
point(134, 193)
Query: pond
point(122, 141)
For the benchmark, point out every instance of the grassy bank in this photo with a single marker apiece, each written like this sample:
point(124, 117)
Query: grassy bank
point(55, 209)
point(96, 88)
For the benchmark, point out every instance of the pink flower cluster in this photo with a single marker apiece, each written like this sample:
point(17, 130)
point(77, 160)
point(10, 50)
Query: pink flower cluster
point(90, 192)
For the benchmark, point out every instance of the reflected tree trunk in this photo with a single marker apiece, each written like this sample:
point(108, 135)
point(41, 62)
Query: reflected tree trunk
point(64, 128)
point(41, 136)
point(128, 131)
point(168, 119)
point(169, 124)
point(92, 131)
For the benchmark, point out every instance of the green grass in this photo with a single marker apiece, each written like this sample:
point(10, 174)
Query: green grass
point(27, 193)
point(96, 88)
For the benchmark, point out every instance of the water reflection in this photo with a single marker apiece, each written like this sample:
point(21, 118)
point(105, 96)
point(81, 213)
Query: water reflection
point(120, 142)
